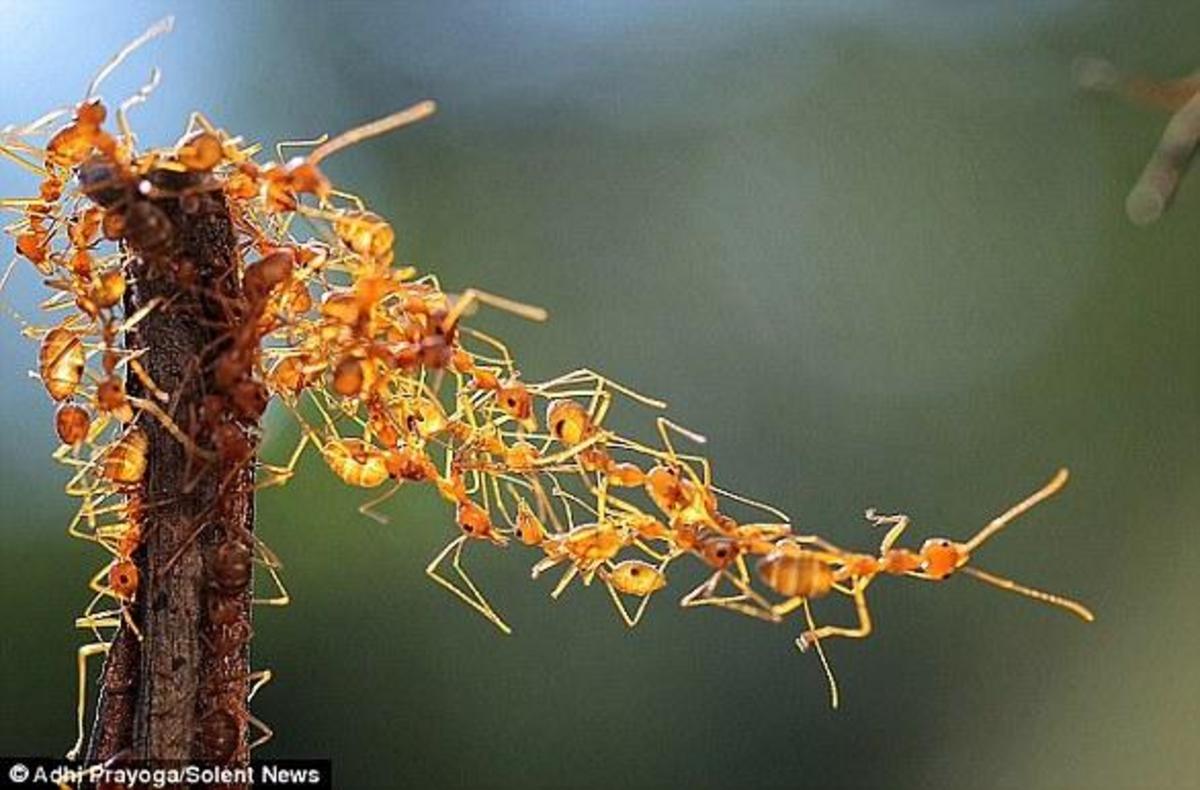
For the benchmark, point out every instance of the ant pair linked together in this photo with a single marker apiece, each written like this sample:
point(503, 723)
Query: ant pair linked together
point(387, 385)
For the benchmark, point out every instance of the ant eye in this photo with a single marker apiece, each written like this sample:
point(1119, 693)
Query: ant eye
point(634, 571)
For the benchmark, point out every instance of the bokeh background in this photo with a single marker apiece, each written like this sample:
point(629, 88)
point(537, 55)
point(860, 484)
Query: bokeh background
point(876, 251)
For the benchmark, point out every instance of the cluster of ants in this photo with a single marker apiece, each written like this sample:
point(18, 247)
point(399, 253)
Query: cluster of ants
point(391, 389)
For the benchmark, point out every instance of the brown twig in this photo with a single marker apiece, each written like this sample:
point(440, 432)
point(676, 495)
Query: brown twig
point(172, 695)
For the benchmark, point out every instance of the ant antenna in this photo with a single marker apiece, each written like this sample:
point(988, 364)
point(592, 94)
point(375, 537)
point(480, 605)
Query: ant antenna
point(142, 94)
point(1074, 607)
point(410, 115)
point(159, 28)
point(1045, 492)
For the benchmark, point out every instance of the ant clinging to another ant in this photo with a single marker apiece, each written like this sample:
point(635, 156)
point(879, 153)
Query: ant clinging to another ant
point(390, 387)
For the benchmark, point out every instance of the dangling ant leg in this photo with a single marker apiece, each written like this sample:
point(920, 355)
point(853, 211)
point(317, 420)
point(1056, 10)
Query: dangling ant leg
point(475, 600)
point(834, 697)
point(368, 508)
point(863, 629)
point(81, 657)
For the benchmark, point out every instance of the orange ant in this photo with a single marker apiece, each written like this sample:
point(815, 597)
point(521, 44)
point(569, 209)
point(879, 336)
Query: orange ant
point(801, 573)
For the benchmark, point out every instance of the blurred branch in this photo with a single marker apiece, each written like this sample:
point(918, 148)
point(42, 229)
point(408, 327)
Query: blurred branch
point(1159, 181)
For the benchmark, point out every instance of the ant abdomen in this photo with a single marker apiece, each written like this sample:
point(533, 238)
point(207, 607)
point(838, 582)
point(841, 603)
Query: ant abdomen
point(147, 227)
point(232, 566)
point(220, 735)
point(800, 574)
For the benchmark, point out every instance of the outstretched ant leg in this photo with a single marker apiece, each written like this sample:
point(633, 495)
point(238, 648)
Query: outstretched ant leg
point(581, 376)
point(474, 599)
point(472, 295)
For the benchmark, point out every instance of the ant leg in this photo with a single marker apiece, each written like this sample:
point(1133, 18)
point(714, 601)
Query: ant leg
point(505, 360)
point(1074, 607)
point(705, 595)
point(745, 500)
point(272, 564)
point(172, 428)
point(663, 424)
point(144, 376)
point(566, 579)
point(863, 629)
point(368, 508)
point(830, 680)
point(583, 375)
point(475, 600)
point(81, 657)
point(1045, 492)
point(279, 475)
point(545, 564)
point(472, 295)
point(267, 732)
point(899, 522)
point(833, 553)
point(620, 606)
point(257, 680)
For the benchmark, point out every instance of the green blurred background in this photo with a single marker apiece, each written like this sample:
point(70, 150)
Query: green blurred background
point(876, 251)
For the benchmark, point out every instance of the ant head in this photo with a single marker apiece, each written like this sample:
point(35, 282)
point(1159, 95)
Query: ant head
point(123, 579)
point(719, 552)
point(663, 486)
point(72, 422)
point(941, 557)
point(529, 527)
point(91, 112)
point(475, 522)
point(516, 401)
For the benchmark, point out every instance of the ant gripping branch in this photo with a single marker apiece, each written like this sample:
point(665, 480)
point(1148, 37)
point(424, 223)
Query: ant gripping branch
point(186, 296)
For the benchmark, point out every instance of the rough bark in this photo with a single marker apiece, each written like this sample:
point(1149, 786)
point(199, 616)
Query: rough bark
point(161, 695)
